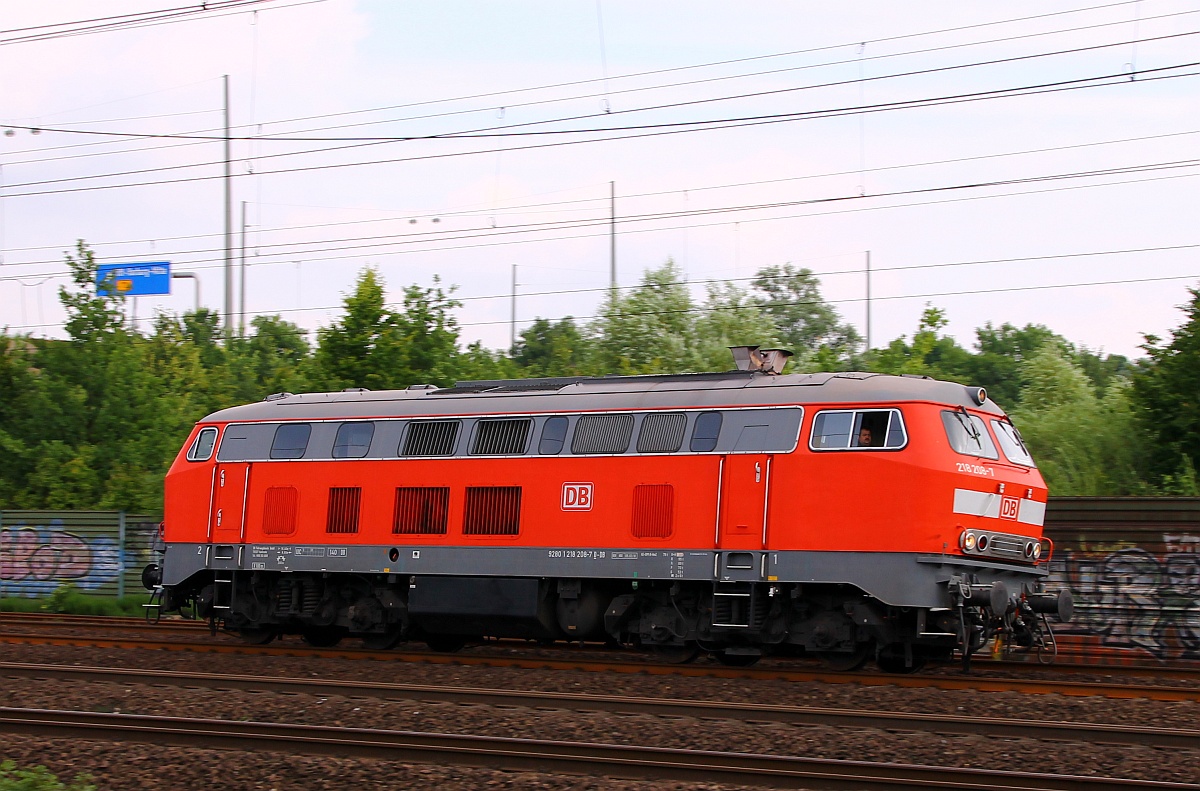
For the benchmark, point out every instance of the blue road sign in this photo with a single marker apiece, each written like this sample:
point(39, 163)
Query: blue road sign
point(134, 280)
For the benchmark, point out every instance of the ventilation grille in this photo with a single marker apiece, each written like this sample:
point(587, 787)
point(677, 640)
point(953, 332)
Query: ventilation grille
point(492, 511)
point(653, 510)
point(602, 434)
point(421, 510)
point(279, 510)
point(500, 437)
point(343, 509)
point(661, 433)
point(430, 438)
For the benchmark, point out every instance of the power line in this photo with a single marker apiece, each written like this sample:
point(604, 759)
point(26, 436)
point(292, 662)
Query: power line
point(279, 121)
point(571, 98)
point(491, 131)
point(128, 21)
point(710, 64)
point(522, 208)
point(489, 240)
point(1115, 79)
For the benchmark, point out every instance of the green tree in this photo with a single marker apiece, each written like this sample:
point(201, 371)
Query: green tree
point(899, 357)
point(646, 331)
point(1166, 390)
point(731, 317)
point(1084, 444)
point(804, 321)
point(378, 348)
point(547, 348)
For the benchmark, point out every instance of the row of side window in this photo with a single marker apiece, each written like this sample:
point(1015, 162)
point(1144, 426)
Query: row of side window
point(770, 430)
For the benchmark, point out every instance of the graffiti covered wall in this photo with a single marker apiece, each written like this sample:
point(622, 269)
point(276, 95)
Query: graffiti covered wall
point(98, 552)
point(1133, 566)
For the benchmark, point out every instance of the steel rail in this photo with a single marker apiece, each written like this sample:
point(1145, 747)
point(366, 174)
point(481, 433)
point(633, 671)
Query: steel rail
point(545, 756)
point(661, 707)
point(798, 675)
point(1017, 663)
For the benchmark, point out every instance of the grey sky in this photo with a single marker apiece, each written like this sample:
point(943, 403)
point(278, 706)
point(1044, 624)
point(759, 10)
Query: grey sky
point(820, 190)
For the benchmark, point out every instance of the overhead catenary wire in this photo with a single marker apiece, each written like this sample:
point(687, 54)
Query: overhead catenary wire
point(655, 130)
point(483, 209)
point(570, 98)
point(426, 237)
point(209, 9)
point(506, 130)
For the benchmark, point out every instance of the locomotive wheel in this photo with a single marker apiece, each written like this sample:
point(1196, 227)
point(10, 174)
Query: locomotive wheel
point(676, 654)
point(737, 660)
point(445, 643)
point(323, 636)
point(257, 635)
point(383, 640)
point(845, 663)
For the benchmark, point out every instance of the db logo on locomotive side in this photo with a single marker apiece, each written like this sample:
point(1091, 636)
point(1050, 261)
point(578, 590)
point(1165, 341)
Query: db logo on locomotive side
point(577, 497)
point(1009, 506)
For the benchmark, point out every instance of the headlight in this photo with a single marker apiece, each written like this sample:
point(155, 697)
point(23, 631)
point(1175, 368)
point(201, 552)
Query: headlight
point(1037, 550)
point(968, 542)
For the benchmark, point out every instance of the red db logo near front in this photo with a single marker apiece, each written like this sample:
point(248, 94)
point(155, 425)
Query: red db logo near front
point(1009, 507)
point(577, 497)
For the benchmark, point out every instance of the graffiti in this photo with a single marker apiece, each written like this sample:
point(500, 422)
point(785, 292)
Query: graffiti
point(34, 560)
point(1133, 599)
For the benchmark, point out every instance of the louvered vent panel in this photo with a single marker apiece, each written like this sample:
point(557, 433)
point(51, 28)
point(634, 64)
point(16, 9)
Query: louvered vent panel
point(279, 510)
point(421, 510)
point(430, 438)
point(653, 510)
point(661, 432)
point(500, 437)
point(602, 434)
point(343, 509)
point(492, 511)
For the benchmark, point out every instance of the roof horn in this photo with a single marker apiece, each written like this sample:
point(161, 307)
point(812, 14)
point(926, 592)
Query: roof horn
point(752, 358)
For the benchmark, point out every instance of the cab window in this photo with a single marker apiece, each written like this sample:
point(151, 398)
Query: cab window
point(202, 447)
point(1011, 443)
point(858, 429)
point(968, 434)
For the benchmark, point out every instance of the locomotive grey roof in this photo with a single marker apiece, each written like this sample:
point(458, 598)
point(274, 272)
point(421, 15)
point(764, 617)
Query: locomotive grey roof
point(584, 393)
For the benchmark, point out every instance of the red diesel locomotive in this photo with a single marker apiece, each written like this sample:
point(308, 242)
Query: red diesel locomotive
point(847, 516)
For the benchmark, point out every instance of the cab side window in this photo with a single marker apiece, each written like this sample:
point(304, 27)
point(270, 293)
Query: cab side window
point(968, 434)
point(858, 429)
point(202, 447)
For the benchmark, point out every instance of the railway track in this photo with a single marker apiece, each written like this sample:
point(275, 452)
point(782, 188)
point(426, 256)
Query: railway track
point(1075, 665)
point(779, 672)
point(661, 707)
point(544, 756)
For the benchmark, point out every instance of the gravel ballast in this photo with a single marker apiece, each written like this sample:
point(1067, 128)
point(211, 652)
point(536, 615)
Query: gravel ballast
point(134, 766)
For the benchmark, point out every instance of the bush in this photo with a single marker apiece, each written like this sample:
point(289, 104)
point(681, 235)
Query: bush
point(39, 778)
point(67, 599)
